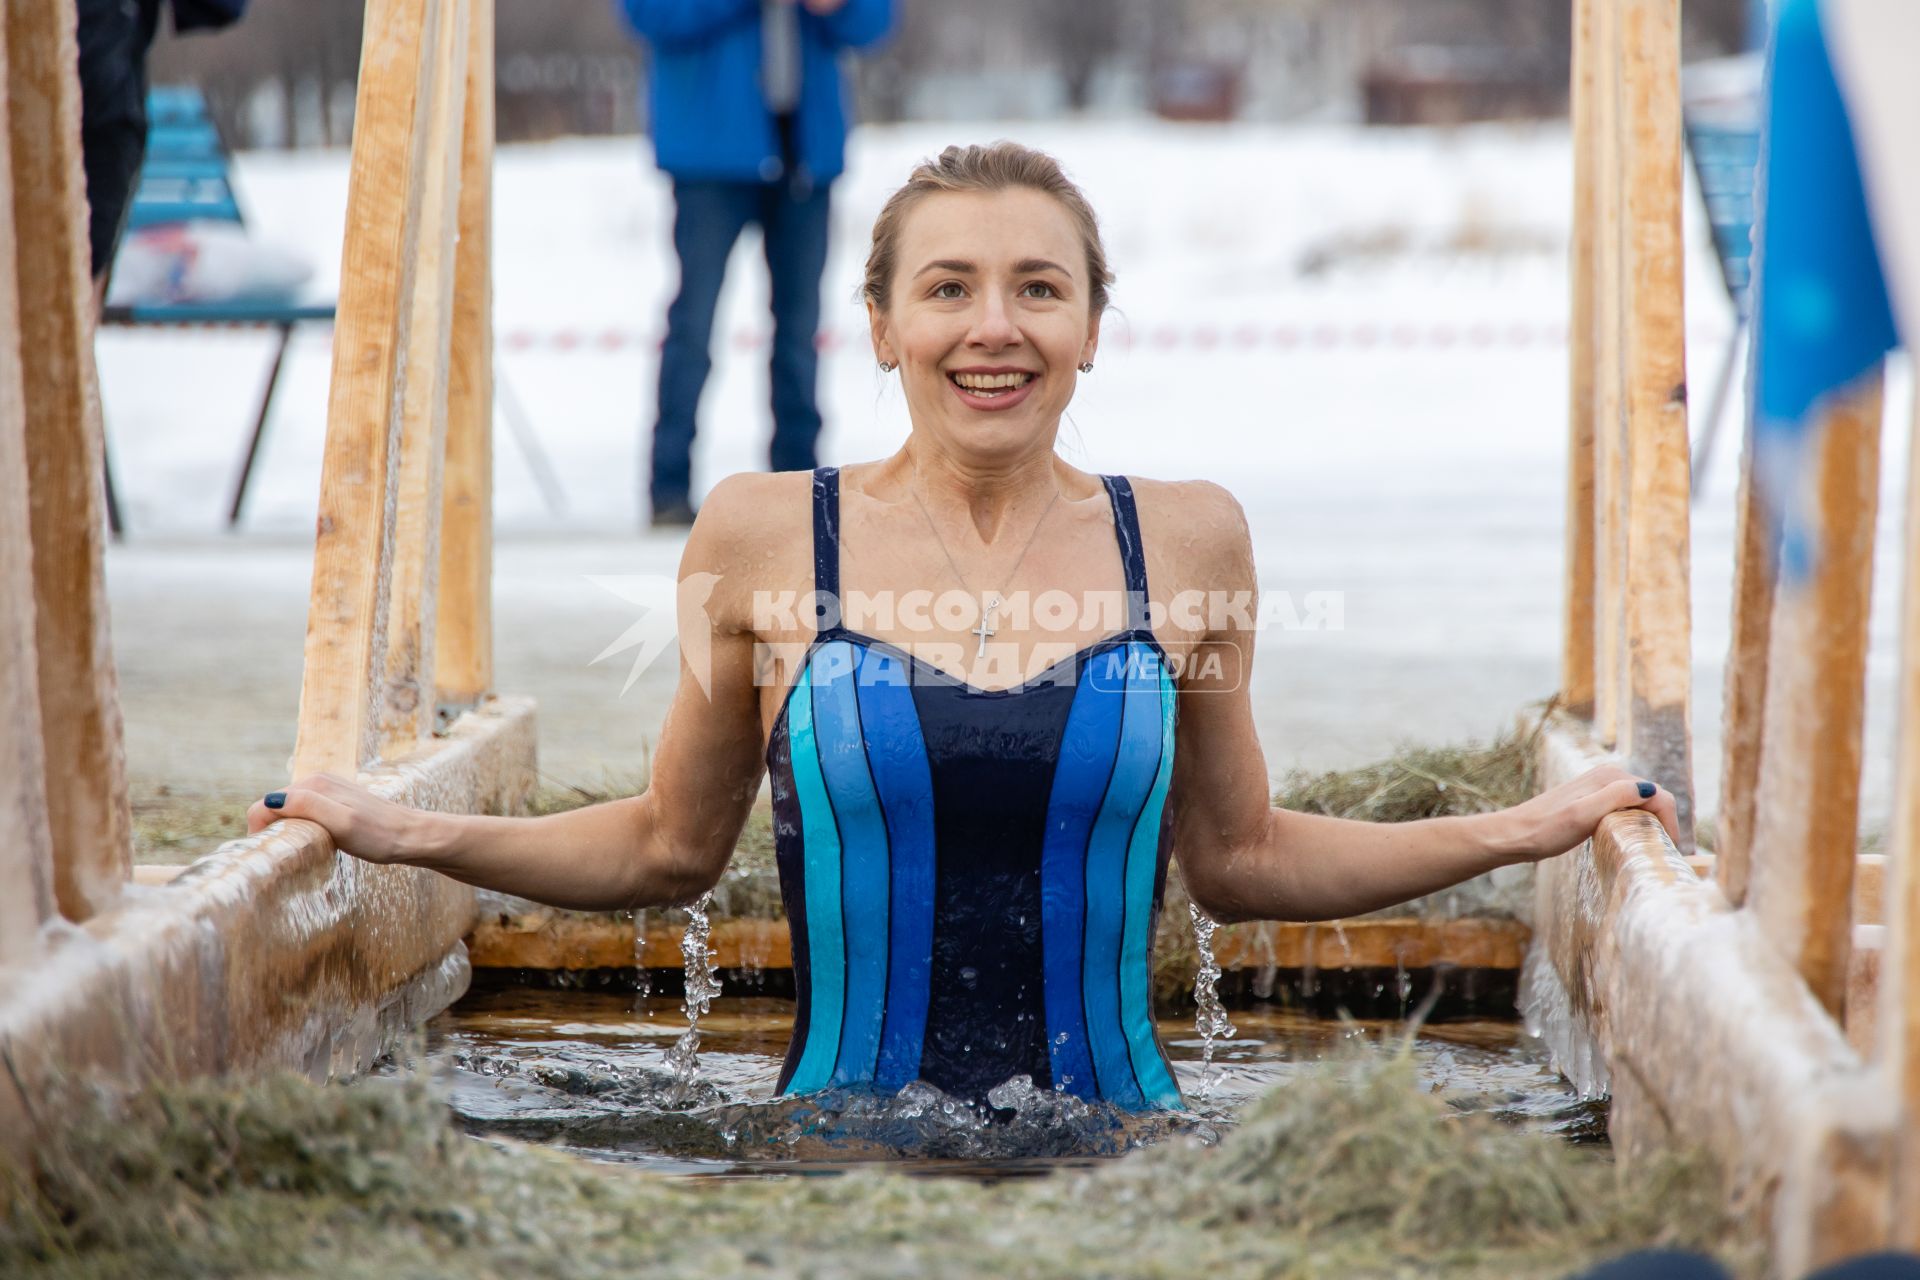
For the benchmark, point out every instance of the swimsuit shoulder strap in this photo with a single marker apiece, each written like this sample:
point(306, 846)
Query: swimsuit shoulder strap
point(826, 547)
point(1133, 552)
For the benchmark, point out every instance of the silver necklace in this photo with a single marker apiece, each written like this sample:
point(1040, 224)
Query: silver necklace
point(987, 606)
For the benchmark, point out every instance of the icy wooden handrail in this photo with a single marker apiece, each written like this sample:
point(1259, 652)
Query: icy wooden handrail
point(411, 391)
point(1626, 660)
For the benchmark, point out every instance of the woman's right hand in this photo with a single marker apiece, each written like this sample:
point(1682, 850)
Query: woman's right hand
point(360, 822)
point(1555, 821)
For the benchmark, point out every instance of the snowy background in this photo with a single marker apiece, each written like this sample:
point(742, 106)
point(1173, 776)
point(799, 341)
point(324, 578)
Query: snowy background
point(1360, 332)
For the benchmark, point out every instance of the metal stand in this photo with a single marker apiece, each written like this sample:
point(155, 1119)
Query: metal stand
point(259, 427)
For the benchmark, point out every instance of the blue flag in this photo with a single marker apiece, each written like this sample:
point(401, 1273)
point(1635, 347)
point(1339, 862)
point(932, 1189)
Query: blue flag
point(1823, 315)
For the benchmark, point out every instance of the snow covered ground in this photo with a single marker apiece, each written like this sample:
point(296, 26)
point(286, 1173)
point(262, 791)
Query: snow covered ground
point(1359, 332)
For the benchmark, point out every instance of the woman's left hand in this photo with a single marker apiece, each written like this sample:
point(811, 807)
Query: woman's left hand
point(1555, 821)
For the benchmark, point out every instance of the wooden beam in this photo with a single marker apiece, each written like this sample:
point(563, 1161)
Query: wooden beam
point(1373, 944)
point(405, 703)
point(90, 823)
point(463, 632)
point(1577, 620)
point(26, 841)
point(353, 543)
point(1899, 1012)
point(1655, 731)
point(1744, 703)
point(1610, 460)
point(545, 938)
point(537, 937)
point(1806, 817)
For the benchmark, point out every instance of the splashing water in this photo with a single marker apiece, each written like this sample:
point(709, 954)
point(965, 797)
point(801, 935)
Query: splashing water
point(642, 979)
point(702, 987)
point(1212, 1016)
point(566, 1067)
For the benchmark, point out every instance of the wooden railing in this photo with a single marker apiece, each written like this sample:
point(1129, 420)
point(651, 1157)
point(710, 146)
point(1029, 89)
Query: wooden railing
point(1744, 1002)
point(275, 949)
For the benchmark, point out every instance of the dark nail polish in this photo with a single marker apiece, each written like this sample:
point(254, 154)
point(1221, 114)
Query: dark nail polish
point(277, 798)
point(1646, 790)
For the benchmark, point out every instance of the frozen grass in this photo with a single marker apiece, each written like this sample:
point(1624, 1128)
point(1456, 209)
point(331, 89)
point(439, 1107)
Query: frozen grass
point(558, 795)
point(1351, 1170)
point(174, 828)
point(1422, 781)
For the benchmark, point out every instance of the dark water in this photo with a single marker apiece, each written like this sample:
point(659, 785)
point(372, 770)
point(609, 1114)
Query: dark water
point(587, 1071)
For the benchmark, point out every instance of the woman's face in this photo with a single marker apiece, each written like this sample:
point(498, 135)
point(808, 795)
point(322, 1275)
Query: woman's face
point(989, 318)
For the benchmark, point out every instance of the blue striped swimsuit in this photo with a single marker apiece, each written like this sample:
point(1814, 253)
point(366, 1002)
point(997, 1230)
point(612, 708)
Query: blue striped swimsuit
point(972, 876)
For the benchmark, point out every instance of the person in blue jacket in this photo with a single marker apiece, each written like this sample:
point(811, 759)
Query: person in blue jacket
point(748, 107)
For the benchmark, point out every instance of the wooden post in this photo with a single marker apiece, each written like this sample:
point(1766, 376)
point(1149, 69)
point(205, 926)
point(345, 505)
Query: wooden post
point(1806, 815)
point(1577, 634)
point(1899, 1015)
point(89, 822)
point(26, 844)
point(1655, 728)
point(463, 632)
point(1746, 681)
point(1610, 483)
point(353, 543)
point(405, 703)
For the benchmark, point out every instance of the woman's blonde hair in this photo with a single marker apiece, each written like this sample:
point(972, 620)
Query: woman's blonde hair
point(1004, 166)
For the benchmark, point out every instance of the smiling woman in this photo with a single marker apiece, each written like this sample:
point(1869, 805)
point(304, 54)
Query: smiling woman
point(972, 838)
point(988, 198)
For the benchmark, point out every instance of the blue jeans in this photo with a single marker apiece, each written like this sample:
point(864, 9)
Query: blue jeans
point(708, 217)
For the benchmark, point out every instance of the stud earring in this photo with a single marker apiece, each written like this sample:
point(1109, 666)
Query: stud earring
point(1086, 366)
point(887, 366)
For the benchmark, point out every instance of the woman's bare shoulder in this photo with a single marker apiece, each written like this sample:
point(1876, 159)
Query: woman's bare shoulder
point(1200, 518)
point(752, 509)
point(754, 533)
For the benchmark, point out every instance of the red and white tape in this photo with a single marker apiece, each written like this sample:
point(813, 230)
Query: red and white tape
point(1361, 335)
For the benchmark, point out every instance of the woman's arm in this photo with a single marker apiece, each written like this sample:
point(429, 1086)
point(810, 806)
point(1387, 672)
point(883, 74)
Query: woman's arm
point(1245, 859)
point(669, 844)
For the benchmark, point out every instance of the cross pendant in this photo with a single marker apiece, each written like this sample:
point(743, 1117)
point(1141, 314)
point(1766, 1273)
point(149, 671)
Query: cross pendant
point(985, 628)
